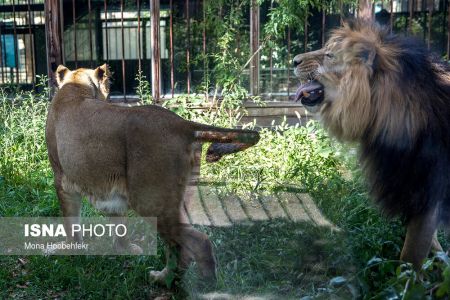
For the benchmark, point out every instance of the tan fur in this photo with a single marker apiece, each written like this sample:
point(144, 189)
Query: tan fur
point(128, 157)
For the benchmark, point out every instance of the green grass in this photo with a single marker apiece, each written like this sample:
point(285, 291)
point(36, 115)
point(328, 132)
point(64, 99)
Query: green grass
point(275, 259)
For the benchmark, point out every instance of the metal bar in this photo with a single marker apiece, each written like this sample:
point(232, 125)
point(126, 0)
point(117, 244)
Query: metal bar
point(391, 17)
point(53, 38)
point(139, 34)
point(271, 65)
point(340, 12)
point(1, 53)
point(156, 54)
point(74, 21)
point(448, 30)
point(30, 34)
point(411, 15)
point(254, 48)
point(26, 60)
point(271, 62)
point(21, 7)
point(61, 29)
point(16, 48)
point(430, 17)
point(289, 60)
point(123, 53)
point(172, 79)
point(188, 46)
point(324, 14)
point(205, 59)
point(305, 27)
point(98, 49)
point(90, 33)
point(105, 8)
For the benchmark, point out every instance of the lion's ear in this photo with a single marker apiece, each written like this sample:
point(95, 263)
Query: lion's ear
point(102, 73)
point(61, 72)
point(368, 55)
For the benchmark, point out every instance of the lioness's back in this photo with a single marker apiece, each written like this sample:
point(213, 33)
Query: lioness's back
point(103, 138)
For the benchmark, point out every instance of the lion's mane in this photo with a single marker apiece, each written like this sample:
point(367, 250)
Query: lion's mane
point(397, 107)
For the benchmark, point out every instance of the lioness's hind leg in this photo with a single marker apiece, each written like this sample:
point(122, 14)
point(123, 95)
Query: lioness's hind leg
point(184, 245)
point(70, 202)
point(192, 245)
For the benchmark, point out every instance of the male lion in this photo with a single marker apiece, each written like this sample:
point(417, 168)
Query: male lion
point(393, 97)
point(130, 157)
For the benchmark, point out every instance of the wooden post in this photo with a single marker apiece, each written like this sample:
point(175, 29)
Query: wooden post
point(53, 38)
point(254, 48)
point(365, 10)
point(155, 46)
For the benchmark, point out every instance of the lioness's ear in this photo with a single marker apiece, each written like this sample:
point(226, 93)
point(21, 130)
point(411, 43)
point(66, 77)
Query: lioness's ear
point(61, 72)
point(102, 73)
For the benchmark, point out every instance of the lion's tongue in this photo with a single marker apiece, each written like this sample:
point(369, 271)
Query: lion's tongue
point(309, 91)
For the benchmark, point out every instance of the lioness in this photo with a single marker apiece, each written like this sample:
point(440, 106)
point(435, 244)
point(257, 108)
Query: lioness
point(130, 157)
point(390, 95)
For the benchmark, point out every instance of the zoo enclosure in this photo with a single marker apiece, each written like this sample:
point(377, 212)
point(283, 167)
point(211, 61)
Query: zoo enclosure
point(170, 42)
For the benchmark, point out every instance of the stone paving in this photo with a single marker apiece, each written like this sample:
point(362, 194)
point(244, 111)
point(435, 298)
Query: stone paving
point(203, 206)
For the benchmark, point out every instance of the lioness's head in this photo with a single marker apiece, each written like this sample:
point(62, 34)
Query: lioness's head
point(97, 80)
point(353, 82)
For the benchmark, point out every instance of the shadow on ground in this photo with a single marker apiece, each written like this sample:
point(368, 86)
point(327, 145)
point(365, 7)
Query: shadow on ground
point(267, 247)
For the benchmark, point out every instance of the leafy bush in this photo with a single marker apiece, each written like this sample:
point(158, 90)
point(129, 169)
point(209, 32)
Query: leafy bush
point(285, 155)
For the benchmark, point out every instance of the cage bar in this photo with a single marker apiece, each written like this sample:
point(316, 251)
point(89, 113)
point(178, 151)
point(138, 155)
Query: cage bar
point(90, 33)
point(123, 53)
point(31, 41)
point(105, 8)
point(16, 46)
point(2, 53)
point(188, 46)
point(254, 47)
point(172, 79)
point(74, 23)
point(138, 3)
point(156, 52)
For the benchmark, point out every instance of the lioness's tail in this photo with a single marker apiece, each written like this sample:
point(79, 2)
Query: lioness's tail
point(225, 141)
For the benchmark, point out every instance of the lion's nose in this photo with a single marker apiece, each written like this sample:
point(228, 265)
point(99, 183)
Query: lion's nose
point(297, 60)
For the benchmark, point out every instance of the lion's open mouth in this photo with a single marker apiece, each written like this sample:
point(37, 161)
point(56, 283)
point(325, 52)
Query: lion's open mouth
point(310, 93)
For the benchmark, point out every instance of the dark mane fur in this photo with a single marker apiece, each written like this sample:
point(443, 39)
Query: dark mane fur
point(412, 173)
point(391, 96)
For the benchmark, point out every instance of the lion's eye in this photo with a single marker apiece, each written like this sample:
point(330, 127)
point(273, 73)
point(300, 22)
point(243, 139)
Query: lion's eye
point(329, 55)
